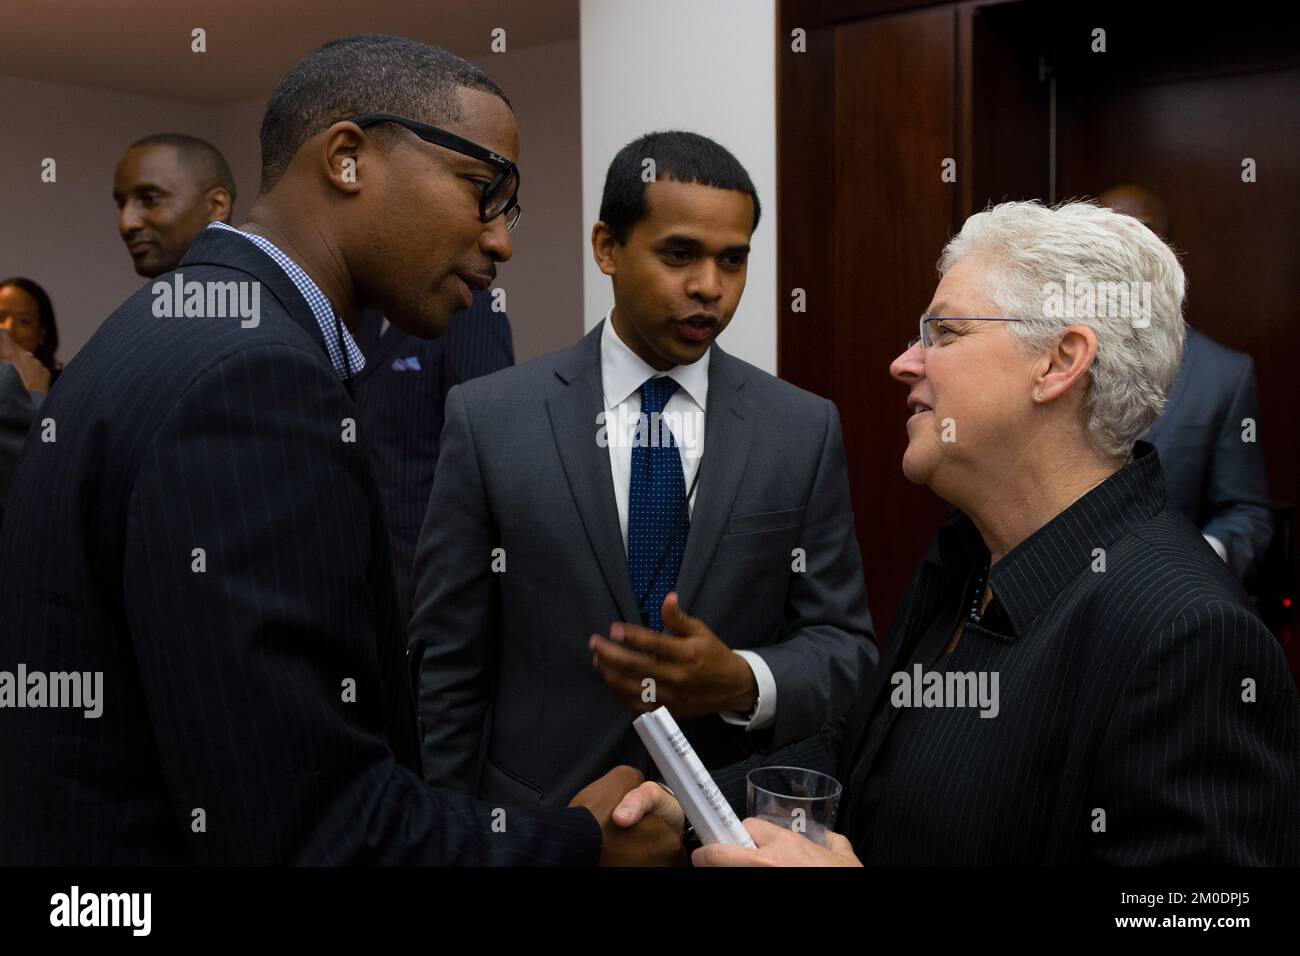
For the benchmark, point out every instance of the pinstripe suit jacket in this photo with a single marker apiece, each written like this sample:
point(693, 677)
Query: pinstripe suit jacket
point(401, 405)
point(228, 732)
point(16, 413)
point(1122, 691)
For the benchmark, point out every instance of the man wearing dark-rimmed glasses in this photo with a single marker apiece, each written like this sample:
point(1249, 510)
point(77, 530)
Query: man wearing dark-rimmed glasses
point(499, 197)
point(225, 570)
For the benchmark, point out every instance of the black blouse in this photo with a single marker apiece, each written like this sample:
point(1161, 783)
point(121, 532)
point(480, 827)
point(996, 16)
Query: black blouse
point(1122, 734)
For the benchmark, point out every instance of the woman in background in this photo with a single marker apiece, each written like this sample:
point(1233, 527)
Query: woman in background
point(28, 315)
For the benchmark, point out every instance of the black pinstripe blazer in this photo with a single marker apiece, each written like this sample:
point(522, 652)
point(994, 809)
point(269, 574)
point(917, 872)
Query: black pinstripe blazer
point(255, 702)
point(1145, 715)
point(16, 413)
point(401, 404)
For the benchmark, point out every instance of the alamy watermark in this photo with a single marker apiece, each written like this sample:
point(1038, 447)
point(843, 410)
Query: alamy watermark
point(77, 690)
point(208, 300)
point(624, 429)
point(1085, 299)
point(75, 908)
point(922, 688)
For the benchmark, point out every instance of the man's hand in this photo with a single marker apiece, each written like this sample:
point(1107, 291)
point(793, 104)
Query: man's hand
point(694, 673)
point(35, 376)
point(650, 799)
point(652, 841)
point(777, 846)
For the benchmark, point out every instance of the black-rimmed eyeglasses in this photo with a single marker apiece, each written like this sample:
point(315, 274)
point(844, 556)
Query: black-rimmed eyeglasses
point(501, 197)
point(927, 340)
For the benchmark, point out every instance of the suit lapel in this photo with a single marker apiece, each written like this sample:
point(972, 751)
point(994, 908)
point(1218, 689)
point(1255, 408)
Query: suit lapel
point(728, 434)
point(906, 637)
point(573, 410)
point(860, 750)
point(377, 349)
point(868, 748)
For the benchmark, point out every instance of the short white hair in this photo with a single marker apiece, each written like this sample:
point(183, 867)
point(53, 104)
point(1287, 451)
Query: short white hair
point(1027, 251)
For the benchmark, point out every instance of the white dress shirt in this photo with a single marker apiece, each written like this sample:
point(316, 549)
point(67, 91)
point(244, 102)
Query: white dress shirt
point(622, 373)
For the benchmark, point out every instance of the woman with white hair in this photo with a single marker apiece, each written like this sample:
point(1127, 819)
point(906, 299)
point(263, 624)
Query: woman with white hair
point(1073, 676)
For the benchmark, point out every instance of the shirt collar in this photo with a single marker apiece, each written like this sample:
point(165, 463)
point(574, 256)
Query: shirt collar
point(622, 371)
point(1038, 569)
point(338, 339)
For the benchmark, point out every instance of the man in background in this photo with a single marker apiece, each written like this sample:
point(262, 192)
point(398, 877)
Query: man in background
point(168, 187)
point(401, 394)
point(1213, 475)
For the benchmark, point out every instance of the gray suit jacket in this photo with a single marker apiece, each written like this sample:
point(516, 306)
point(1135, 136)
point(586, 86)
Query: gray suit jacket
point(510, 705)
point(1213, 477)
point(15, 419)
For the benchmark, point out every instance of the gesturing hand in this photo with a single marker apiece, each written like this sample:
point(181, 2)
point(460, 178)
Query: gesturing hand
point(694, 673)
point(35, 376)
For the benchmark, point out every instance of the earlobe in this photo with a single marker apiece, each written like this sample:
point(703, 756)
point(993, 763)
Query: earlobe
point(220, 206)
point(1071, 359)
point(345, 173)
point(342, 157)
point(602, 248)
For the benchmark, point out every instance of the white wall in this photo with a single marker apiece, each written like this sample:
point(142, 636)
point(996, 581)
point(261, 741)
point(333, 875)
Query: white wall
point(238, 125)
point(708, 66)
point(543, 279)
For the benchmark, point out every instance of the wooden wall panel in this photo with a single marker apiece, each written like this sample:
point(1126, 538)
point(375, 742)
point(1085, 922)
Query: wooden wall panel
point(894, 126)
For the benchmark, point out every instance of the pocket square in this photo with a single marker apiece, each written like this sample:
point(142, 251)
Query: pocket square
point(405, 364)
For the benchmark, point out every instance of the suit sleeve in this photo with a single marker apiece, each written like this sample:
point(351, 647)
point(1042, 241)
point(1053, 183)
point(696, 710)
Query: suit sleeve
point(16, 415)
point(827, 648)
point(455, 622)
point(1236, 491)
point(252, 619)
point(1198, 764)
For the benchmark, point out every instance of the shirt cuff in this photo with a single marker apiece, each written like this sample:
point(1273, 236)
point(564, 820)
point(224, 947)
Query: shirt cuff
point(1218, 547)
point(764, 713)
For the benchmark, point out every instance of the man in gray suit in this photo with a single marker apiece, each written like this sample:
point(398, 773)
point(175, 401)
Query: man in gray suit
point(1207, 434)
point(640, 520)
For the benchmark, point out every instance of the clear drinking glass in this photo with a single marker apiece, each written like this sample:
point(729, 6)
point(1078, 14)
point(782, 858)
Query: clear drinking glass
point(803, 801)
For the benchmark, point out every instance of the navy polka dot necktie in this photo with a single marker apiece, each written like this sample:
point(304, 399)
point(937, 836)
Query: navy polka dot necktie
point(655, 505)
